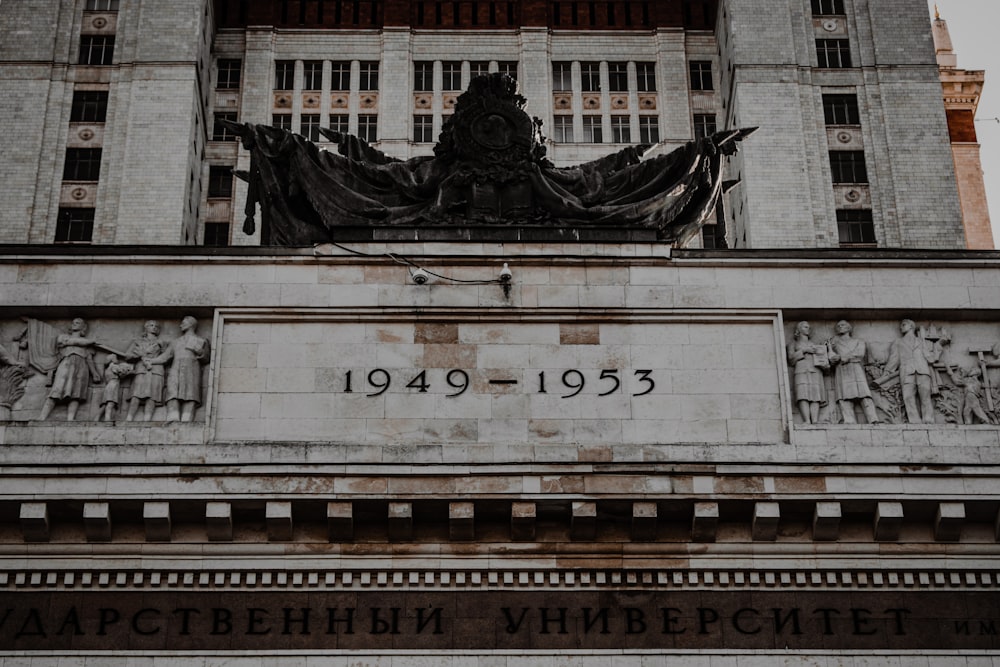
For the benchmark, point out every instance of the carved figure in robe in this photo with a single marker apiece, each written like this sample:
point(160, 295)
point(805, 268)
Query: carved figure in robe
point(808, 360)
point(75, 371)
point(147, 385)
point(114, 371)
point(847, 356)
point(186, 355)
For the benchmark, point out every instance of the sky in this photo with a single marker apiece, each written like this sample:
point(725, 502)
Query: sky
point(973, 28)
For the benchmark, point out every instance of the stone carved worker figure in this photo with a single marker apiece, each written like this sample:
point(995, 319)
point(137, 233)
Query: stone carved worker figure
point(912, 357)
point(808, 360)
point(847, 356)
point(147, 385)
point(75, 371)
point(188, 353)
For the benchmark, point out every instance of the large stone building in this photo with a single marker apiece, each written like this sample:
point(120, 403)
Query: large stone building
point(495, 445)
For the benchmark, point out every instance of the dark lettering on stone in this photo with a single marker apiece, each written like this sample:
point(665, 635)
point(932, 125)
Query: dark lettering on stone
point(560, 619)
point(434, 615)
point(290, 619)
point(32, 626)
point(827, 620)
point(741, 625)
point(706, 615)
point(635, 621)
point(669, 621)
point(72, 619)
point(780, 622)
point(861, 619)
point(332, 620)
point(6, 615)
point(987, 628)
point(589, 623)
point(256, 617)
point(107, 616)
point(512, 625)
point(137, 617)
point(381, 626)
point(898, 614)
point(185, 613)
point(222, 621)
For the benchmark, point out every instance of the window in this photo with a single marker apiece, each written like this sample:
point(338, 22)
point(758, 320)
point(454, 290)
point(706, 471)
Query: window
point(284, 74)
point(423, 129)
point(562, 129)
point(704, 125)
point(219, 131)
point(310, 126)
point(102, 5)
point(508, 67)
point(338, 123)
point(645, 74)
point(848, 167)
point(592, 129)
point(229, 73)
point(833, 53)
point(621, 130)
point(649, 130)
point(841, 110)
point(478, 68)
point(220, 182)
point(97, 49)
point(89, 106)
point(562, 76)
point(451, 75)
point(75, 225)
point(423, 76)
point(855, 227)
point(216, 234)
point(340, 75)
point(828, 7)
point(618, 77)
point(369, 76)
point(82, 164)
point(368, 128)
point(590, 77)
point(282, 121)
point(312, 75)
point(710, 237)
point(701, 75)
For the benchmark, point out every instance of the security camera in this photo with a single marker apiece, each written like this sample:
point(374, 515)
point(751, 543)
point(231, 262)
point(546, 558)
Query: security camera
point(420, 276)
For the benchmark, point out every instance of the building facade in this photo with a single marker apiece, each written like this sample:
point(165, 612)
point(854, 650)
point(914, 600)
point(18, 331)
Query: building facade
point(485, 446)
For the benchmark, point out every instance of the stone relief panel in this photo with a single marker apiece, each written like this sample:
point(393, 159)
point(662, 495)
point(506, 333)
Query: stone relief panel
point(894, 372)
point(102, 370)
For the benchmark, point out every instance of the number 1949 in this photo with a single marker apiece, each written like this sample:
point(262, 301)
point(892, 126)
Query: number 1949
point(572, 382)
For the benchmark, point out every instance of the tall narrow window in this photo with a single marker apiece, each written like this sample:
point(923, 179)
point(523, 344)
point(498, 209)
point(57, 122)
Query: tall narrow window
point(340, 75)
point(368, 128)
point(338, 123)
point(284, 74)
point(562, 129)
point(97, 49)
point(618, 77)
point(590, 77)
point(833, 53)
point(423, 129)
point(828, 7)
point(478, 68)
point(82, 164)
point(701, 75)
point(312, 75)
point(282, 121)
point(848, 167)
point(369, 76)
point(645, 74)
point(423, 76)
point(562, 76)
point(229, 73)
point(508, 67)
point(855, 227)
point(220, 181)
point(841, 110)
point(451, 75)
point(75, 225)
point(592, 129)
point(621, 131)
point(102, 5)
point(704, 125)
point(89, 106)
point(649, 130)
point(219, 131)
point(310, 126)
point(216, 234)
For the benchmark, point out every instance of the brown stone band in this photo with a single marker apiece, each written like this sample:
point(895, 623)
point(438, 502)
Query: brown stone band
point(594, 620)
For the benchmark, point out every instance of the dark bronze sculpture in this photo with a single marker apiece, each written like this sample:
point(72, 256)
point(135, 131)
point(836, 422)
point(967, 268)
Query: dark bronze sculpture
point(488, 168)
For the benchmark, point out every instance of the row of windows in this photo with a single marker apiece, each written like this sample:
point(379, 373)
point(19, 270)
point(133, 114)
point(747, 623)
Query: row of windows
point(312, 79)
point(593, 130)
point(102, 5)
point(833, 53)
point(451, 73)
point(590, 76)
point(309, 125)
point(855, 227)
